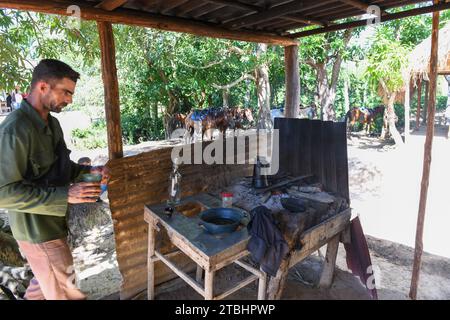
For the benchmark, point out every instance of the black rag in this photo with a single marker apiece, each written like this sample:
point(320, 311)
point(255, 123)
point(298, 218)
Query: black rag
point(267, 245)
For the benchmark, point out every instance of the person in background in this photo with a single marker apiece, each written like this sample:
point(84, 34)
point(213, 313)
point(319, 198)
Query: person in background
point(85, 161)
point(8, 102)
point(37, 181)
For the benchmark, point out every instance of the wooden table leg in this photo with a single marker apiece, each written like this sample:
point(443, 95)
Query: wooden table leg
point(199, 274)
point(151, 263)
point(277, 283)
point(262, 286)
point(326, 279)
point(209, 284)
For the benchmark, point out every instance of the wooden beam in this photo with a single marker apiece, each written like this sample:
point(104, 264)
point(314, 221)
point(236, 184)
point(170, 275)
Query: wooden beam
point(111, 88)
point(257, 9)
point(143, 19)
point(275, 12)
point(292, 82)
point(427, 157)
point(360, 5)
point(110, 5)
point(361, 23)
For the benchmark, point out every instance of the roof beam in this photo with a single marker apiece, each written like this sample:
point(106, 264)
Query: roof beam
point(360, 5)
point(263, 15)
point(385, 18)
point(257, 9)
point(144, 19)
point(110, 5)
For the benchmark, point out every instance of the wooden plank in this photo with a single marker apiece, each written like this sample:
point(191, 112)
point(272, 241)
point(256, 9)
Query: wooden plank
point(238, 286)
point(326, 278)
point(144, 19)
point(273, 13)
point(249, 268)
point(181, 274)
point(319, 235)
point(111, 89)
point(427, 157)
point(385, 18)
point(292, 81)
point(151, 262)
point(110, 5)
point(360, 5)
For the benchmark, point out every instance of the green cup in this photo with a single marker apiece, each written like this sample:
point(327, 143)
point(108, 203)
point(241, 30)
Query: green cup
point(91, 177)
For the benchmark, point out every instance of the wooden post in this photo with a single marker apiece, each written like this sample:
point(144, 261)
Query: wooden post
point(292, 82)
point(209, 284)
point(326, 279)
point(408, 94)
point(111, 88)
point(425, 103)
point(151, 262)
point(427, 157)
point(419, 103)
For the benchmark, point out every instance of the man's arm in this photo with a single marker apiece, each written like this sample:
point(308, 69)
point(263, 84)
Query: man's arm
point(14, 193)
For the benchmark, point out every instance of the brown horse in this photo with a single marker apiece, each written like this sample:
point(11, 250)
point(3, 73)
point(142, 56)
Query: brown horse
point(209, 119)
point(364, 116)
point(221, 119)
point(174, 122)
point(239, 118)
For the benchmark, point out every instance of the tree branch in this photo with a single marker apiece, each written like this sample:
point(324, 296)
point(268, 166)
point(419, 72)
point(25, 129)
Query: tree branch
point(234, 83)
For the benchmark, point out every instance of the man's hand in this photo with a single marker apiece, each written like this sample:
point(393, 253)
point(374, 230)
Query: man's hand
point(83, 192)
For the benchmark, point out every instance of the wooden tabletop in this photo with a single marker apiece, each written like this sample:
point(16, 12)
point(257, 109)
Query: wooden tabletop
point(208, 245)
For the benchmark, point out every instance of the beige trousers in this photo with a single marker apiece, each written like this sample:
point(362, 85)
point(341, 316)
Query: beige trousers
point(52, 266)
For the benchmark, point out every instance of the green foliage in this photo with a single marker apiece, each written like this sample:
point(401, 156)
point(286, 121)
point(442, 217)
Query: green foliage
point(386, 60)
point(92, 137)
point(441, 103)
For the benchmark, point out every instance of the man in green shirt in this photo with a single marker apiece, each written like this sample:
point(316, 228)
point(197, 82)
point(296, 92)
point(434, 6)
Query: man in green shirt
point(37, 181)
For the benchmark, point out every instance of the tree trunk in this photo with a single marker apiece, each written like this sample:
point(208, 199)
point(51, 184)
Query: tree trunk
point(391, 116)
point(408, 95)
point(225, 98)
point(447, 77)
point(263, 91)
point(346, 94)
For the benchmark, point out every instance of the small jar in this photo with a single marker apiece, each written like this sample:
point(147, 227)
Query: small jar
point(227, 199)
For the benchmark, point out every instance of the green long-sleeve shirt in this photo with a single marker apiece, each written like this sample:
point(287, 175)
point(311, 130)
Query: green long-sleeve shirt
point(27, 151)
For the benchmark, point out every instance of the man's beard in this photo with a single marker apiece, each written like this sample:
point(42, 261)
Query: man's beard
point(56, 108)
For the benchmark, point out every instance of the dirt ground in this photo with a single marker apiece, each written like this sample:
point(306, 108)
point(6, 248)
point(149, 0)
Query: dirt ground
point(384, 186)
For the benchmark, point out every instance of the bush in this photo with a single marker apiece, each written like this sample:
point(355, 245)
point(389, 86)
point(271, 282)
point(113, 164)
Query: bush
point(91, 138)
point(441, 103)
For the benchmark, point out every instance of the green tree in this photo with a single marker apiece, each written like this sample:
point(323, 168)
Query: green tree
point(387, 59)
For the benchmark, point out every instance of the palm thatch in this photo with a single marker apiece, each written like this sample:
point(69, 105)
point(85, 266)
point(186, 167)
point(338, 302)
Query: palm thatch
point(419, 59)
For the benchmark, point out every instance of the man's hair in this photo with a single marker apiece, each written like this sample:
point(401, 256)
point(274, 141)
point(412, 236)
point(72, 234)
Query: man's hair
point(52, 69)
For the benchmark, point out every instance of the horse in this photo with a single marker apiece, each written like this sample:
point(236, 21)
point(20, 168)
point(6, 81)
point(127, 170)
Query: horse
point(174, 122)
point(221, 119)
point(209, 119)
point(365, 116)
point(239, 118)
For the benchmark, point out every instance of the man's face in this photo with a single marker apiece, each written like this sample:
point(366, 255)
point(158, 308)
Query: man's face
point(57, 94)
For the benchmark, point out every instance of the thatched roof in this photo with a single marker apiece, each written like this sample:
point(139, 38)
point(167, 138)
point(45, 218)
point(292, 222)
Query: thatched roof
point(419, 58)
